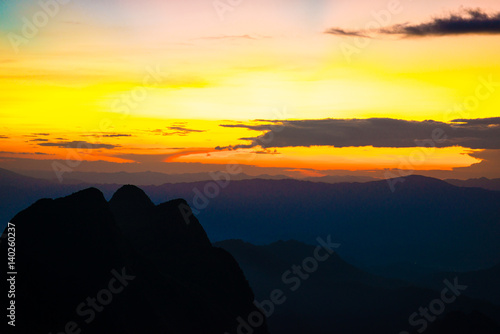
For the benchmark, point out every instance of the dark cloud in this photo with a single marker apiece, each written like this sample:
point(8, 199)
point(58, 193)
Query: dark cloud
point(177, 129)
point(472, 21)
point(24, 153)
point(39, 139)
point(79, 145)
point(236, 147)
point(488, 167)
point(342, 32)
point(468, 21)
point(259, 127)
point(3, 137)
point(182, 131)
point(108, 135)
point(481, 121)
point(35, 135)
point(267, 151)
point(376, 132)
point(117, 135)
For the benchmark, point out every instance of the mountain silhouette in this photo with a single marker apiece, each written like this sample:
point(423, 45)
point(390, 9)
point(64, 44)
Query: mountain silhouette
point(18, 192)
point(483, 284)
point(9, 178)
point(80, 266)
point(483, 182)
point(340, 298)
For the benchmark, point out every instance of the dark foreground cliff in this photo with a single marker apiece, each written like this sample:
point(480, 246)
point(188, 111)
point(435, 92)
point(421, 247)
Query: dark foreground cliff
point(88, 266)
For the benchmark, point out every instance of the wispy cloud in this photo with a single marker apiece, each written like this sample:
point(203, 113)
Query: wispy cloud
point(117, 135)
point(342, 32)
point(108, 135)
point(177, 129)
point(24, 153)
point(259, 127)
point(79, 145)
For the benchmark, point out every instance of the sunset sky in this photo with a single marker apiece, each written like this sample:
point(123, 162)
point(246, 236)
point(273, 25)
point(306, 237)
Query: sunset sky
point(339, 86)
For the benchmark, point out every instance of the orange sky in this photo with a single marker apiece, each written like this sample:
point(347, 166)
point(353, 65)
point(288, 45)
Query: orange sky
point(122, 81)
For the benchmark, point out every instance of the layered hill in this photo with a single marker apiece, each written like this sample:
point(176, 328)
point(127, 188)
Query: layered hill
point(421, 220)
point(320, 293)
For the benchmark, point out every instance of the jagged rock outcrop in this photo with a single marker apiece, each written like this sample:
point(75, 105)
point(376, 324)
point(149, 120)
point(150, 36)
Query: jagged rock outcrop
point(126, 266)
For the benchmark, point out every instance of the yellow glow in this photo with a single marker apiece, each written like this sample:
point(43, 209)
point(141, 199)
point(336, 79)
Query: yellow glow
point(348, 158)
point(87, 83)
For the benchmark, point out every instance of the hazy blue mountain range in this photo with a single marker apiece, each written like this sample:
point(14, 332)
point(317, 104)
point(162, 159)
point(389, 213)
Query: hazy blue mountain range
point(426, 222)
point(180, 283)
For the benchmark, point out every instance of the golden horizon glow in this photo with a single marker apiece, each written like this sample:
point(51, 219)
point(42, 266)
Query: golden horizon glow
point(131, 85)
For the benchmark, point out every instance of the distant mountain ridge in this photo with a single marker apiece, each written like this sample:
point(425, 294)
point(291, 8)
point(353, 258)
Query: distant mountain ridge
point(136, 178)
point(485, 183)
point(9, 178)
point(426, 221)
point(157, 178)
